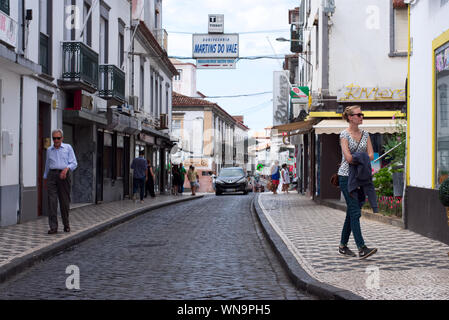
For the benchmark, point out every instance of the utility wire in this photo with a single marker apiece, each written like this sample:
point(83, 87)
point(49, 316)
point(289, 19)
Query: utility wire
point(247, 32)
point(237, 96)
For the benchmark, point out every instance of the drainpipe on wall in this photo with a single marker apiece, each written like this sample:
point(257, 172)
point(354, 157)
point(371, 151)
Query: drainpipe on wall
point(407, 139)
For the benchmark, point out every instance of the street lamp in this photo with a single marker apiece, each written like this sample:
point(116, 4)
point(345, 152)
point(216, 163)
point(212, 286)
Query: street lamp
point(281, 39)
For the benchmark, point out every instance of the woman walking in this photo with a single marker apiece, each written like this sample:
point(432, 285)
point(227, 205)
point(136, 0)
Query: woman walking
point(353, 140)
point(285, 178)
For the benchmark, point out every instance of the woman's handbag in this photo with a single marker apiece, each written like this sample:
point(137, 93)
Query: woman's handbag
point(334, 180)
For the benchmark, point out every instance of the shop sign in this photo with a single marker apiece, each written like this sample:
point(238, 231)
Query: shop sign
point(299, 94)
point(356, 93)
point(219, 46)
point(146, 138)
point(280, 98)
point(8, 30)
point(197, 163)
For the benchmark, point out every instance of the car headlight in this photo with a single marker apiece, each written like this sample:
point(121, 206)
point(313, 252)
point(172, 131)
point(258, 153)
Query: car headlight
point(241, 180)
point(219, 182)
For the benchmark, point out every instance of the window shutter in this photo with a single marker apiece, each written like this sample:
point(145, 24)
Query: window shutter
point(400, 30)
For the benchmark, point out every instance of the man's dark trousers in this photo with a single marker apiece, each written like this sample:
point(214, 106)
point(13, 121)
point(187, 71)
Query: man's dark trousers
point(58, 189)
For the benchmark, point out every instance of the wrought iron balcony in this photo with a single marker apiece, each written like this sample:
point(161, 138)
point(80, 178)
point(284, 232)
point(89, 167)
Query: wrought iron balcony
point(112, 84)
point(80, 67)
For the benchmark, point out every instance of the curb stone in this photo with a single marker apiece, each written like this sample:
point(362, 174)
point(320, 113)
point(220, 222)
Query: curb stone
point(298, 275)
point(20, 264)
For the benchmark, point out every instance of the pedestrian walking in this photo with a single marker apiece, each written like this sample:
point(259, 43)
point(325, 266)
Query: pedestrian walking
point(59, 165)
point(353, 140)
point(193, 177)
point(182, 173)
point(275, 176)
point(139, 165)
point(176, 181)
point(149, 185)
point(285, 178)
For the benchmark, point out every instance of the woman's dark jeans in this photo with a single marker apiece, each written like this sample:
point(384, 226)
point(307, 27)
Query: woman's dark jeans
point(353, 214)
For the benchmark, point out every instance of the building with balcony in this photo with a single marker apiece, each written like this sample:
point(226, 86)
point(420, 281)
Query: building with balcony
point(94, 69)
point(17, 127)
point(351, 53)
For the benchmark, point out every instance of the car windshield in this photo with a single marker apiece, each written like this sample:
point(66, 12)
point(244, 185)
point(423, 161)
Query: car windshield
point(231, 173)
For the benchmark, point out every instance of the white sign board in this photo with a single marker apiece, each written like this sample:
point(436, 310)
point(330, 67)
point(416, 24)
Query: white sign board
point(281, 97)
point(215, 46)
point(215, 63)
point(216, 23)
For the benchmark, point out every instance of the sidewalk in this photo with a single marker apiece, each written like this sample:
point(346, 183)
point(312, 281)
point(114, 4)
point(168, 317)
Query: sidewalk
point(407, 265)
point(23, 245)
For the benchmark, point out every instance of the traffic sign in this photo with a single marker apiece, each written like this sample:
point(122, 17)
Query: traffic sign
point(215, 63)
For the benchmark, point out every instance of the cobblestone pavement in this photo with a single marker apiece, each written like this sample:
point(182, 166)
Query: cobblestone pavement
point(23, 239)
point(209, 248)
point(407, 265)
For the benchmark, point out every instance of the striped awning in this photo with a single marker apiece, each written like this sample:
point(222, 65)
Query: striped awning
point(370, 125)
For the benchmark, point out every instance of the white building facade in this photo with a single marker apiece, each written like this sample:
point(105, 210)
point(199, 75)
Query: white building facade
point(71, 66)
point(428, 156)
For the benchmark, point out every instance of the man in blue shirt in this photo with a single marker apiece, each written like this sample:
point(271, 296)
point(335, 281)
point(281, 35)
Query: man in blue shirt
point(139, 165)
point(61, 161)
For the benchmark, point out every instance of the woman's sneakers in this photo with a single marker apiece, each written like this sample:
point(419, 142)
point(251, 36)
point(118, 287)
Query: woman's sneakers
point(365, 252)
point(346, 251)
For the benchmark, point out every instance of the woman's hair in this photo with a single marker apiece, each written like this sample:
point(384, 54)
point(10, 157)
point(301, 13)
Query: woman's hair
point(348, 111)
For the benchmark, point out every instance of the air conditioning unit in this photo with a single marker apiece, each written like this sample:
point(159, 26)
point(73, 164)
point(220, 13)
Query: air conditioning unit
point(163, 123)
point(134, 103)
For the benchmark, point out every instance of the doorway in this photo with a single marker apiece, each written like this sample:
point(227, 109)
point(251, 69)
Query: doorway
point(43, 142)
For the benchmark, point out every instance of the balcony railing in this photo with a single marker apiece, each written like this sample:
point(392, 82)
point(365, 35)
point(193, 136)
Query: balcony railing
point(80, 65)
point(112, 83)
point(8, 29)
point(162, 38)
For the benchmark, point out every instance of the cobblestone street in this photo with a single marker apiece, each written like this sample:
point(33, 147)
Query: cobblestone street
point(209, 248)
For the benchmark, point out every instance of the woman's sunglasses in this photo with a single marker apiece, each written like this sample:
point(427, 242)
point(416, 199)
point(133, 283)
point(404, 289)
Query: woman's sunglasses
point(358, 114)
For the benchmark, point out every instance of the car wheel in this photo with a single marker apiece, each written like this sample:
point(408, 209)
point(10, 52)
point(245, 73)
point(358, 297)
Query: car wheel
point(218, 193)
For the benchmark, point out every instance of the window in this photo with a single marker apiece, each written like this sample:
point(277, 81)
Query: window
point(104, 40)
point(178, 77)
point(121, 43)
point(4, 6)
point(442, 114)
point(142, 87)
point(399, 29)
point(88, 29)
point(107, 156)
point(45, 26)
point(152, 94)
point(120, 156)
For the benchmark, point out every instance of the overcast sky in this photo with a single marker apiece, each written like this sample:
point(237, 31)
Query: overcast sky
point(181, 18)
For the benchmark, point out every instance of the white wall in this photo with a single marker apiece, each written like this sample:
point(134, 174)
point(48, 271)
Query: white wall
point(9, 121)
point(359, 44)
point(428, 21)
